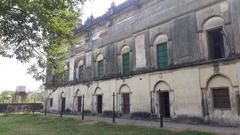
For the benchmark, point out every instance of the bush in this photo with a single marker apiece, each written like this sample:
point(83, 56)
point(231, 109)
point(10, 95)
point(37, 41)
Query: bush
point(87, 112)
point(141, 115)
point(68, 111)
point(107, 113)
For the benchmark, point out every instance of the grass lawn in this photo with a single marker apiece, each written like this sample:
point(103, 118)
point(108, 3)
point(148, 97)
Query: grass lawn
point(39, 125)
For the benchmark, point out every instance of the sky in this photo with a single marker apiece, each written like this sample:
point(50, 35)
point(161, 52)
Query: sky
point(14, 73)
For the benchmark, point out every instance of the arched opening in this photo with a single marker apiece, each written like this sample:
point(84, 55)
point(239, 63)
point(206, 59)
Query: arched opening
point(50, 98)
point(163, 98)
point(80, 71)
point(100, 66)
point(124, 92)
point(219, 89)
point(78, 101)
point(125, 59)
point(220, 98)
point(214, 38)
point(99, 100)
point(160, 45)
point(66, 74)
point(62, 102)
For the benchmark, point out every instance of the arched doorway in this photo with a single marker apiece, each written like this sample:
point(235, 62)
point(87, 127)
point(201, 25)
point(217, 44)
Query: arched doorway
point(125, 99)
point(162, 99)
point(78, 101)
point(99, 100)
point(62, 100)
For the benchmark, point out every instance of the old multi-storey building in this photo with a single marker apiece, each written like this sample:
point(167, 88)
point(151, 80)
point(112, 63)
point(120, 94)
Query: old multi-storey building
point(188, 50)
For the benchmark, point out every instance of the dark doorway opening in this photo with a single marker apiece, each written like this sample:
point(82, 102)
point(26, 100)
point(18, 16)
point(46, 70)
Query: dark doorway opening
point(99, 103)
point(238, 98)
point(216, 43)
point(164, 104)
point(126, 103)
point(79, 105)
point(63, 104)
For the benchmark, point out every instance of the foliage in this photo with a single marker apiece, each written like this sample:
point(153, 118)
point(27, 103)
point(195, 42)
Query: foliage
point(37, 125)
point(38, 96)
point(6, 96)
point(38, 30)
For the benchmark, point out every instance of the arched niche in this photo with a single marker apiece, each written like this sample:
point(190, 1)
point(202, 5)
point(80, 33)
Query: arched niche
point(125, 49)
point(162, 38)
point(162, 86)
point(99, 57)
point(220, 84)
point(80, 63)
point(98, 91)
point(218, 81)
point(124, 89)
point(78, 93)
point(213, 22)
point(62, 94)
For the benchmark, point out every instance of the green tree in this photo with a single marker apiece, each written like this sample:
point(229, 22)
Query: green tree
point(38, 30)
point(6, 96)
point(38, 96)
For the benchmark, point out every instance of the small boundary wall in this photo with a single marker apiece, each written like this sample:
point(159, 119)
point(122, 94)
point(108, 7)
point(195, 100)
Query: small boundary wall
point(21, 107)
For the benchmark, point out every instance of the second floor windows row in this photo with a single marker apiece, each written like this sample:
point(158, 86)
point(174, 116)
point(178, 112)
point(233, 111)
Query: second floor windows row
point(214, 47)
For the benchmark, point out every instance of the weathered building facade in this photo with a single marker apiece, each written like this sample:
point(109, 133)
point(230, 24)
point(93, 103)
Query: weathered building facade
point(188, 50)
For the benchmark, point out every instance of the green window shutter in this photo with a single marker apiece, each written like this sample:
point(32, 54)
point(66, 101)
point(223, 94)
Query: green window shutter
point(162, 56)
point(100, 69)
point(126, 63)
point(80, 74)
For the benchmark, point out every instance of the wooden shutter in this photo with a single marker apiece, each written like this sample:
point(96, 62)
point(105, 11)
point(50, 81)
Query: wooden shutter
point(162, 56)
point(221, 98)
point(80, 74)
point(100, 69)
point(126, 63)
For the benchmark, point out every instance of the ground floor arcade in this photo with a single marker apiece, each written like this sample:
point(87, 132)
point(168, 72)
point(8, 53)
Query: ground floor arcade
point(209, 92)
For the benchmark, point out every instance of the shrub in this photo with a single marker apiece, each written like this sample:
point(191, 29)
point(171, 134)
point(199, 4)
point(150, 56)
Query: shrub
point(68, 111)
point(107, 113)
point(87, 112)
point(141, 115)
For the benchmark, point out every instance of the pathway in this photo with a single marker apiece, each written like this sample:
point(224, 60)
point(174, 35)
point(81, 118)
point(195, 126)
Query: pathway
point(167, 125)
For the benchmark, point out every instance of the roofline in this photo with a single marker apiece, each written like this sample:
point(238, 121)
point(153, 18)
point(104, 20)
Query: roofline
point(111, 12)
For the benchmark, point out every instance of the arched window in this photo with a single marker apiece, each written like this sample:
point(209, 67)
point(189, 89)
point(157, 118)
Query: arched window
point(220, 89)
point(66, 75)
point(100, 66)
point(161, 51)
point(214, 32)
point(125, 52)
point(80, 71)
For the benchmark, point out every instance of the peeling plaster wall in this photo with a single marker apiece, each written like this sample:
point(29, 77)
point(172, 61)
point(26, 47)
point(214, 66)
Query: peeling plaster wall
point(189, 89)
